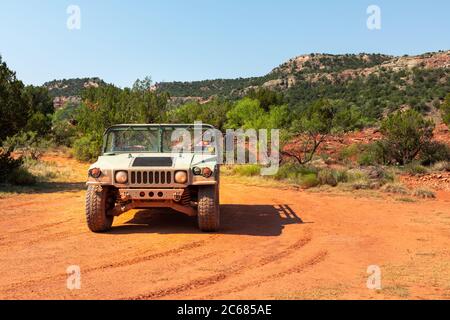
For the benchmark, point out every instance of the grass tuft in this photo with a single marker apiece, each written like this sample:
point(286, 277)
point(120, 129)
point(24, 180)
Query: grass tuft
point(424, 193)
point(396, 188)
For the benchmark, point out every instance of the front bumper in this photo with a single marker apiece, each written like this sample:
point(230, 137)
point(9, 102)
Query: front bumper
point(151, 194)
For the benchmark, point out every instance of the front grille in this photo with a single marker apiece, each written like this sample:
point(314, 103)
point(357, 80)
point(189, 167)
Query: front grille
point(139, 177)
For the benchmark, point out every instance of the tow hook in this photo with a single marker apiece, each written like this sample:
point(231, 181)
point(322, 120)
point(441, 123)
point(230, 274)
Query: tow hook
point(177, 197)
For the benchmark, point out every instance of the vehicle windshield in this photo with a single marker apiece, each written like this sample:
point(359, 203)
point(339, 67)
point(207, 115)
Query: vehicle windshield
point(165, 139)
point(132, 140)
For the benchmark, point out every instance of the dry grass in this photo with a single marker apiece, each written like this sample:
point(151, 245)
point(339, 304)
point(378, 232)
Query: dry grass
point(424, 193)
point(49, 174)
point(257, 181)
point(395, 188)
point(406, 199)
point(441, 166)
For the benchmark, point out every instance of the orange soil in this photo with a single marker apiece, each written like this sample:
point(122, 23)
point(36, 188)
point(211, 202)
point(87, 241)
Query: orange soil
point(275, 244)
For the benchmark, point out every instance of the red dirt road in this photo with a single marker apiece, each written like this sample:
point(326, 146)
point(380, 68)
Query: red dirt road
point(274, 244)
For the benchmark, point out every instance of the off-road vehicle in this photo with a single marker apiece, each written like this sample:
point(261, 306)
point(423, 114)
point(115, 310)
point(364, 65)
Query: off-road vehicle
point(143, 166)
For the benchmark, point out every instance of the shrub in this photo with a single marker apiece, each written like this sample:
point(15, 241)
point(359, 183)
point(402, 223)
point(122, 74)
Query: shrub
point(21, 177)
point(298, 174)
point(327, 176)
point(291, 171)
point(7, 164)
point(64, 133)
point(341, 175)
point(424, 193)
point(441, 166)
point(415, 168)
point(406, 134)
point(360, 185)
point(434, 152)
point(29, 144)
point(87, 148)
point(248, 170)
point(445, 110)
point(366, 159)
point(374, 154)
point(309, 181)
point(368, 178)
point(354, 175)
point(375, 173)
point(396, 188)
point(350, 152)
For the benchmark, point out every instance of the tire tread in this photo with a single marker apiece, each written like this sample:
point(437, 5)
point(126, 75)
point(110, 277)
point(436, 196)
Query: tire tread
point(96, 217)
point(208, 209)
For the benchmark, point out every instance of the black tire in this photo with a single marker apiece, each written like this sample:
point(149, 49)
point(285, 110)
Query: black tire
point(208, 209)
point(96, 200)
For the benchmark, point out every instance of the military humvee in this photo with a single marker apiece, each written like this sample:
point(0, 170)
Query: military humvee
point(150, 166)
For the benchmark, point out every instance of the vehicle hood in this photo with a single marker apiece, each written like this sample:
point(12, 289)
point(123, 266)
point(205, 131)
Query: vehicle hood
point(179, 161)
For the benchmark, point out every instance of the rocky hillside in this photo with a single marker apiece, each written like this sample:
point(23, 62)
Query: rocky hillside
point(69, 90)
point(311, 68)
point(71, 87)
point(375, 82)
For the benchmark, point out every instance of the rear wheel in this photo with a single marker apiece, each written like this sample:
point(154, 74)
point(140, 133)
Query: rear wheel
point(96, 207)
point(208, 208)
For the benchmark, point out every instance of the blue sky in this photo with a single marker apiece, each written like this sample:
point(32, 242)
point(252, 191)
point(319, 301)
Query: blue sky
point(184, 40)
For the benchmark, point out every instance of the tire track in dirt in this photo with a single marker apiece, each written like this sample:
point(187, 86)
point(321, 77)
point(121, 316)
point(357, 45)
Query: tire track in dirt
point(36, 240)
point(310, 262)
point(41, 230)
point(164, 254)
point(118, 264)
point(48, 237)
point(280, 255)
point(221, 276)
point(41, 227)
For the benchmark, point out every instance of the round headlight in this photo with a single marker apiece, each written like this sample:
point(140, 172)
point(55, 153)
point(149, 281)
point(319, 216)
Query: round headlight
point(95, 173)
point(207, 172)
point(196, 171)
point(181, 177)
point(121, 177)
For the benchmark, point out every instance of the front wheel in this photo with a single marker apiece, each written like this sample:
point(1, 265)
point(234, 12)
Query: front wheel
point(96, 203)
point(208, 208)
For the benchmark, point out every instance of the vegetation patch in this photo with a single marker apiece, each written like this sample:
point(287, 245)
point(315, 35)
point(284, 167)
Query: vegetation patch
point(424, 193)
point(415, 169)
point(328, 177)
point(395, 188)
point(250, 170)
point(441, 166)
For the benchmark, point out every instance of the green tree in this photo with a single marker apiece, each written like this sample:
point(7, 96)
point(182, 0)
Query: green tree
point(348, 118)
point(13, 105)
point(40, 110)
point(310, 131)
point(143, 85)
point(266, 98)
point(108, 105)
point(248, 114)
point(406, 134)
point(445, 110)
point(244, 114)
point(22, 108)
point(213, 112)
point(64, 130)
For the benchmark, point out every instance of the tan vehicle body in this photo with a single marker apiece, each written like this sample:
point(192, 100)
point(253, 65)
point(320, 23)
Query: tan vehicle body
point(153, 179)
